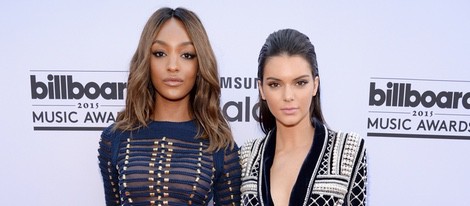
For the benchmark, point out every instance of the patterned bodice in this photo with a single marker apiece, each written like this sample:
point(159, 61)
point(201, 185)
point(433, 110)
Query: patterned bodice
point(164, 164)
point(334, 171)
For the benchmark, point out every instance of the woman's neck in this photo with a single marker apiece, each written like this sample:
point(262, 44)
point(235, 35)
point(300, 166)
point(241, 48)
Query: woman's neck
point(292, 138)
point(173, 111)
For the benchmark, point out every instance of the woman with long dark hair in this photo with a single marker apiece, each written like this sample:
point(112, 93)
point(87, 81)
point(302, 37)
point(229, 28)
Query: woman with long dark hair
point(300, 161)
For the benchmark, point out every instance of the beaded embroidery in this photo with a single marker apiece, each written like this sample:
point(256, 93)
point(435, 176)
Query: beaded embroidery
point(341, 173)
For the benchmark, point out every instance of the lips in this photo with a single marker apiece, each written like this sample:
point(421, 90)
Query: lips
point(289, 110)
point(173, 81)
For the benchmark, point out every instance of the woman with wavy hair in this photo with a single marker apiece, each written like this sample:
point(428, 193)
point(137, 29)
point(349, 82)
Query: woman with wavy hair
point(300, 161)
point(171, 144)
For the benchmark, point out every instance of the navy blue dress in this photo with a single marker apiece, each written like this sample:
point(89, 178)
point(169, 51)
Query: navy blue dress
point(165, 164)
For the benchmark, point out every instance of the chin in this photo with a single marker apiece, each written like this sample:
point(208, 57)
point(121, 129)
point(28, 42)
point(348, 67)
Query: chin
point(289, 123)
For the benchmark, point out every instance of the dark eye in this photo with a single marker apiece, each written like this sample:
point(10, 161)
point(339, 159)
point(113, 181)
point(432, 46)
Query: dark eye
point(273, 84)
point(302, 82)
point(159, 54)
point(188, 56)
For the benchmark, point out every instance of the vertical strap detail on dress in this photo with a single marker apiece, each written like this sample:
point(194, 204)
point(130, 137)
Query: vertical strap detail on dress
point(337, 152)
point(218, 163)
point(115, 148)
point(218, 159)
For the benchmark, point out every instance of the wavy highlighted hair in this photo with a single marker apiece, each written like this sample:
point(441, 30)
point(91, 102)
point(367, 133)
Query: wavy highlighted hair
point(205, 96)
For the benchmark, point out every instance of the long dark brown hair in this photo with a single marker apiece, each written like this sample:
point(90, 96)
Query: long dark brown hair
point(287, 42)
point(205, 96)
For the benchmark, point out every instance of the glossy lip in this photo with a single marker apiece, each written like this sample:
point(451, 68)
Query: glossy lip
point(173, 81)
point(289, 110)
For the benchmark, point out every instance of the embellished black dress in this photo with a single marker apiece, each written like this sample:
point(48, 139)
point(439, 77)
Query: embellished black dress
point(333, 173)
point(164, 164)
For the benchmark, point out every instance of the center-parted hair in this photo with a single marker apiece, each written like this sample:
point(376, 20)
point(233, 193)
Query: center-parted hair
point(292, 43)
point(204, 97)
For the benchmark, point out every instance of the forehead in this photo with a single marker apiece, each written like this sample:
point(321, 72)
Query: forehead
point(286, 67)
point(172, 30)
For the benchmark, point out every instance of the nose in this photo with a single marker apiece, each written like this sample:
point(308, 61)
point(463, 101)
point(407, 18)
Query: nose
point(173, 63)
point(288, 94)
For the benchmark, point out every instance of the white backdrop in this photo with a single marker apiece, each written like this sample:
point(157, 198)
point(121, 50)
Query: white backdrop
point(424, 44)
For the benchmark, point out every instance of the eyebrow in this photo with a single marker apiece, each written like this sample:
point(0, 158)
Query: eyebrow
point(165, 44)
point(276, 79)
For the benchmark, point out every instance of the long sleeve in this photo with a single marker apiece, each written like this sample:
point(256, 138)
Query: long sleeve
point(227, 187)
point(108, 169)
point(357, 195)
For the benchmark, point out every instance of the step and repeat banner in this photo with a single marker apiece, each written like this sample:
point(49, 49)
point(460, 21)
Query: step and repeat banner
point(395, 72)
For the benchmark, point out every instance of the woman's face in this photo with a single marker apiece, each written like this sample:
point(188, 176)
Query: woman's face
point(288, 87)
point(173, 64)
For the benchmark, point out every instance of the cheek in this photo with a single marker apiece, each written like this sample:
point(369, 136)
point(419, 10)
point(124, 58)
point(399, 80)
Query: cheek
point(272, 100)
point(192, 71)
point(194, 68)
point(153, 74)
point(307, 100)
